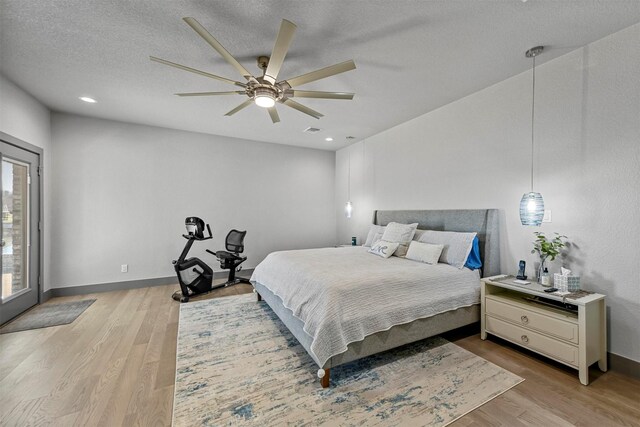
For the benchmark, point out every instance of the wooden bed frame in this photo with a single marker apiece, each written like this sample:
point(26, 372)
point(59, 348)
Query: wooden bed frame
point(482, 221)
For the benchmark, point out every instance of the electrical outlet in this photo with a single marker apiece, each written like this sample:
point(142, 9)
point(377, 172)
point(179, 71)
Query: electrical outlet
point(547, 216)
point(124, 268)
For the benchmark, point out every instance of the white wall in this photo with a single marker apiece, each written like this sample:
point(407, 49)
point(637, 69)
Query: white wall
point(122, 192)
point(475, 153)
point(24, 117)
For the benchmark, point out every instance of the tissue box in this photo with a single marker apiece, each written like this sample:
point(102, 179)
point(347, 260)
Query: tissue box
point(566, 283)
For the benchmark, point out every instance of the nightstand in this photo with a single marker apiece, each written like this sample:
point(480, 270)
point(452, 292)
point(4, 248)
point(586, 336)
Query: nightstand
point(573, 335)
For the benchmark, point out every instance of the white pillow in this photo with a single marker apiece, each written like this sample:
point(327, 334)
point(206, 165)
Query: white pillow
point(418, 234)
point(400, 233)
point(375, 234)
point(456, 245)
point(383, 249)
point(424, 252)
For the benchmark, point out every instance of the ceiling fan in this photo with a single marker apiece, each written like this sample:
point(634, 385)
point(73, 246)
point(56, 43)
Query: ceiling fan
point(265, 91)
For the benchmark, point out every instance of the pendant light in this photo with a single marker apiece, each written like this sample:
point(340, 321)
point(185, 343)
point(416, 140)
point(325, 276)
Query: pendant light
point(532, 204)
point(348, 207)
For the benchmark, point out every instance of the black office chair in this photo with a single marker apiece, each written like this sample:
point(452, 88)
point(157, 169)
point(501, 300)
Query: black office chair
point(231, 259)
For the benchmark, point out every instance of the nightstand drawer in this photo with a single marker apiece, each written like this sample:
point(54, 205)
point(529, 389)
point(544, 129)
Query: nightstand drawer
point(555, 349)
point(530, 319)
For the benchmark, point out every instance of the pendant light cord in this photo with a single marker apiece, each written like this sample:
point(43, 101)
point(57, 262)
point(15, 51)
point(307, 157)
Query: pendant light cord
point(533, 110)
point(364, 163)
point(349, 179)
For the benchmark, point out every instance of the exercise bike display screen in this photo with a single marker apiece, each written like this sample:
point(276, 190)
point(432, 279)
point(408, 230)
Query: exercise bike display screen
point(195, 227)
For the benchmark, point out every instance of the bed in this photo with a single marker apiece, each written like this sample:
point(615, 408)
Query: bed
point(394, 305)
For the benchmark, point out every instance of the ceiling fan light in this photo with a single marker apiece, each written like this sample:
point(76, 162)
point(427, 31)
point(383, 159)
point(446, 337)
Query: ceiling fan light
point(264, 98)
point(265, 101)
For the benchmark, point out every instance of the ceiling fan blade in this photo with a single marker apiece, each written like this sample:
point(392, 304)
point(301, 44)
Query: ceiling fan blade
point(297, 106)
point(198, 28)
point(275, 118)
point(322, 73)
point(193, 70)
point(240, 107)
point(280, 49)
point(316, 94)
point(235, 92)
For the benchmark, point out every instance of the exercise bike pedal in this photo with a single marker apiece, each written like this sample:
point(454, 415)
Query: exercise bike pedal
point(177, 296)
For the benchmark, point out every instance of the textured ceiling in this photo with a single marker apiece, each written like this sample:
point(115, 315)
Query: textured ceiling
point(411, 56)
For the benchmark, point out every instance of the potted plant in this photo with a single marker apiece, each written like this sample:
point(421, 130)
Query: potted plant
point(547, 248)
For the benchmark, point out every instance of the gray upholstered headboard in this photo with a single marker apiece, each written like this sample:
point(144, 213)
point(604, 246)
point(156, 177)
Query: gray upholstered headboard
point(482, 221)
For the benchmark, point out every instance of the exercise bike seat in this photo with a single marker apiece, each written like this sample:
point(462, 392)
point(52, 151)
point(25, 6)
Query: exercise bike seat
point(224, 255)
point(230, 259)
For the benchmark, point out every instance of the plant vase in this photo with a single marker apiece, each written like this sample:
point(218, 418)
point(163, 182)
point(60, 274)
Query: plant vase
point(541, 270)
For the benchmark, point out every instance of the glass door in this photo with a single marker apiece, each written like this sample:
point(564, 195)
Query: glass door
point(20, 236)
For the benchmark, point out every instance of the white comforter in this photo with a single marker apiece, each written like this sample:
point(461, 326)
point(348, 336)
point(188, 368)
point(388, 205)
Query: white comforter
point(345, 294)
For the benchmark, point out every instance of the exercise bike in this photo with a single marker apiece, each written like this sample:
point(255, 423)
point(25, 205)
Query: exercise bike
point(194, 275)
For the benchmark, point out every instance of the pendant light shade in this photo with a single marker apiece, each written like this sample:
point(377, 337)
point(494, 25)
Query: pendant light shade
point(531, 209)
point(532, 204)
point(348, 209)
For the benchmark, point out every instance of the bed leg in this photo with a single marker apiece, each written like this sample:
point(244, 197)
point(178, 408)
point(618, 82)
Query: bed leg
point(325, 376)
point(259, 297)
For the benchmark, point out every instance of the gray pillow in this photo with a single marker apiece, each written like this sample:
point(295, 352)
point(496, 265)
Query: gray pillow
point(418, 234)
point(400, 233)
point(456, 245)
point(375, 234)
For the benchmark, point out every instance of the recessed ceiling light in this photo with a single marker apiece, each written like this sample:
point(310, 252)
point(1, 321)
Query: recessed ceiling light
point(87, 99)
point(328, 139)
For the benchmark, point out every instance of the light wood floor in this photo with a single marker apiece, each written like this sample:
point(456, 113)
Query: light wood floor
point(115, 365)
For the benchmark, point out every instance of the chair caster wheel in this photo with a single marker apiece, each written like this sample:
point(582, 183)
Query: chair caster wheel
point(184, 299)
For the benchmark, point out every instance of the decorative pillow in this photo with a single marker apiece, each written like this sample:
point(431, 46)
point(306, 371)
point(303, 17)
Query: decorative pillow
point(400, 233)
point(383, 249)
point(375, 234)
point(424, 252)
point(456, 245)
point(473, 260)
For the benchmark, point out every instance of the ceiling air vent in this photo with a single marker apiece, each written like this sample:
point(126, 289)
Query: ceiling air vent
point(311, 130)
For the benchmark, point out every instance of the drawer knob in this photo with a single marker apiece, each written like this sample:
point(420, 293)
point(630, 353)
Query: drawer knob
point(524, 319)
point(525, 338)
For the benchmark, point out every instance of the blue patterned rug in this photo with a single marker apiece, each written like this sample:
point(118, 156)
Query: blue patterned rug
point(237, 364)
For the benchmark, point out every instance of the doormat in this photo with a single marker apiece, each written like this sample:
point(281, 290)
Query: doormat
point(44, 316)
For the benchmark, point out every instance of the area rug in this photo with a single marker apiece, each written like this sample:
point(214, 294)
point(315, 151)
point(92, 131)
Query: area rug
point(46, 315)
point(237, 364)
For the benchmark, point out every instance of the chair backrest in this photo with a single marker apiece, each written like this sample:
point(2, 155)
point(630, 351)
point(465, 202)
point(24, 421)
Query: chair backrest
point(235, 241)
